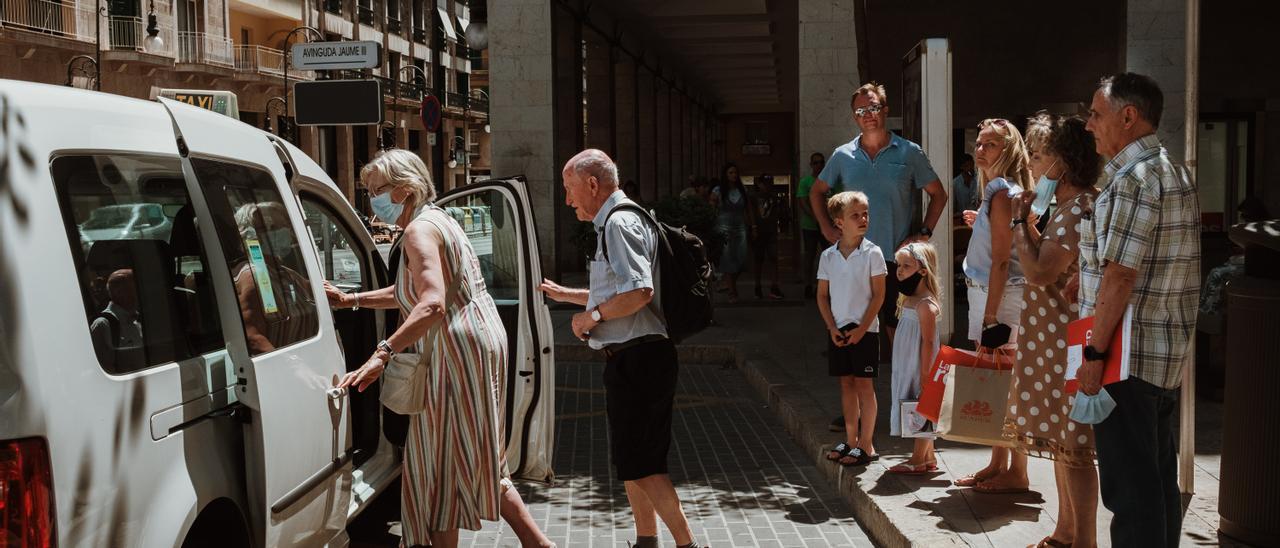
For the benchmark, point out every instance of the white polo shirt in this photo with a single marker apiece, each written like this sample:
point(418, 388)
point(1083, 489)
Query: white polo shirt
point(849, 281)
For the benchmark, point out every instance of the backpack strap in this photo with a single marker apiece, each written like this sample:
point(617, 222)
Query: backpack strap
point(644, 214)
point(113, 326)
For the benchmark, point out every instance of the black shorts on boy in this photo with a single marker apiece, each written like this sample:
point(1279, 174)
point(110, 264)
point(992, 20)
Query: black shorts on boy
point(860, 360)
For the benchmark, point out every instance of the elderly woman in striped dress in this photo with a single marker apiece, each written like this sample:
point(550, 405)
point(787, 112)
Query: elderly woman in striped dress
point(455, 473)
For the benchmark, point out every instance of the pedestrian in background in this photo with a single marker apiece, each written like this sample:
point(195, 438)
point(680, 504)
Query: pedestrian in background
point(890, 171)
point(1065, 165)
point(1140, 250)
point(850, 289)
point(913, 356)
point(965, 195)
point(623, 318)
point(811, 237)
point(767, 215)
point(994, 277)
point(731, 200)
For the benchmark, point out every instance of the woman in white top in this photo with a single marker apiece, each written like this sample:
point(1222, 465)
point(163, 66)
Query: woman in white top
point(994, 277)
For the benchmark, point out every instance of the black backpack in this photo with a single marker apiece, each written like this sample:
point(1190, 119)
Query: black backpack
point(685, 272)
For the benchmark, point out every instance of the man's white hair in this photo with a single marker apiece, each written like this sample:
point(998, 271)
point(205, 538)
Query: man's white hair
point(594, 163)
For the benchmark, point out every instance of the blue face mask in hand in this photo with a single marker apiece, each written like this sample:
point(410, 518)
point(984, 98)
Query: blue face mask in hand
point(1092, 409)
point(386, 209)
point(1045, 188)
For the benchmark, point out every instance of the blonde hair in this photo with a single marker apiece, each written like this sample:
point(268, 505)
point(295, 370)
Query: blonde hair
point(837, 204)
point(1013, 163)
point(401, 168)
point(870, 88)
point(927, 257)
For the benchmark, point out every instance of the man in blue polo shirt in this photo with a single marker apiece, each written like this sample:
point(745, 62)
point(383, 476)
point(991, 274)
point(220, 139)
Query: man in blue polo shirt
point(889, 170)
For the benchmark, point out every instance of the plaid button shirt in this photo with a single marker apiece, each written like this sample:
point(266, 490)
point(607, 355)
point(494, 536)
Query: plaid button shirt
point(1147, 219)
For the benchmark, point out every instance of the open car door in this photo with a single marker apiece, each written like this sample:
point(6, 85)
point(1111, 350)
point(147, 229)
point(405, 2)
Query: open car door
point(279, 330)
point(499, 222)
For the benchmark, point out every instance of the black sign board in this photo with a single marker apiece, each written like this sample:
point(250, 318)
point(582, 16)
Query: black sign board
point(338, 103)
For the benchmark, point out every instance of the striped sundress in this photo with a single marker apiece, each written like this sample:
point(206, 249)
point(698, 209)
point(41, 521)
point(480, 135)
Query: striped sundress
point(454, 459)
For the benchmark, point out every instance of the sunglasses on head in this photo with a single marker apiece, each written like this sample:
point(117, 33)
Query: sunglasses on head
point(869, 109)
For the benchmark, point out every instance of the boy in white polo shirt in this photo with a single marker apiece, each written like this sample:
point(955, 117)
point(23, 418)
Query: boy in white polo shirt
point(850, 291)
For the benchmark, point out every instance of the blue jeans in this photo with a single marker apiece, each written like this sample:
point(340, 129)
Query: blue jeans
point(1138, 465)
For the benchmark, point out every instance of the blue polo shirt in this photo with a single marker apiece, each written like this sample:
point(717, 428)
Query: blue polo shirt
point(889, 181)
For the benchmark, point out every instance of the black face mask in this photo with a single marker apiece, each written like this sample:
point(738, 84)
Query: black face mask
point(908, 285)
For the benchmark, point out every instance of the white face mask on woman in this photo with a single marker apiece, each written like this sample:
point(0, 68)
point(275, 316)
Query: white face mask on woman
point(1045, 188)
point(386, 209)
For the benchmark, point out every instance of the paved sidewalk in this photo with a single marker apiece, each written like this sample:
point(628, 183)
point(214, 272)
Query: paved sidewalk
point(778, 346)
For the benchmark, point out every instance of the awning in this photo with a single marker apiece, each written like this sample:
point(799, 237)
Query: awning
point(463, 23)
point(447, 23)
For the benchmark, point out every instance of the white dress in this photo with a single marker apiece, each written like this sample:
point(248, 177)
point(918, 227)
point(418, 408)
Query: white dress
point(906, 364)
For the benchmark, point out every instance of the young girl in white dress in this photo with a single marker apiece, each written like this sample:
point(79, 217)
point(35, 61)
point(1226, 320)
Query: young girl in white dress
point(916, 344)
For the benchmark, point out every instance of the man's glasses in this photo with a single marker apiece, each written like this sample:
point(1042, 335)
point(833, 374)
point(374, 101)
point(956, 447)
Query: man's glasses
point(869, 109)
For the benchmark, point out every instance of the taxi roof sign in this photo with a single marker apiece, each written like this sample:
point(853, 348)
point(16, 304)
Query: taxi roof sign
point(221, 102)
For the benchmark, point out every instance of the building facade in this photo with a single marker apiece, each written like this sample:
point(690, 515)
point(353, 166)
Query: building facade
point(240, 46)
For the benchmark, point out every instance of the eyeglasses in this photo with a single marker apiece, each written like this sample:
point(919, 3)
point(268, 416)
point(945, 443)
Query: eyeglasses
point(1000, 122)
point(869, 109)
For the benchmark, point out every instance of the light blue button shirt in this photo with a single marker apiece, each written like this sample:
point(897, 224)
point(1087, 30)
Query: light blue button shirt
point(977, 260)
point(632, 264)
point(890, 182)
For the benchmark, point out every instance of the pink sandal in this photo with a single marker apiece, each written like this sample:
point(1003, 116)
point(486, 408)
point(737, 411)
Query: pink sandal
point(914, 469)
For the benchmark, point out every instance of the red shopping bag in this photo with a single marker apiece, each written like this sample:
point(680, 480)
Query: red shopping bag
point(935, 385)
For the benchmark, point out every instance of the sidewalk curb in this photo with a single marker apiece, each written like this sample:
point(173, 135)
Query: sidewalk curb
point(802, 417)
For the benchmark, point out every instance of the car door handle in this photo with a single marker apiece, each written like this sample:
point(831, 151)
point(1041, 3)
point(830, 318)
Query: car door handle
point(336, 393)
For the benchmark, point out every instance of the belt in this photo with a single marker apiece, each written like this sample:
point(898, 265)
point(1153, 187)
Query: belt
point(611, 350)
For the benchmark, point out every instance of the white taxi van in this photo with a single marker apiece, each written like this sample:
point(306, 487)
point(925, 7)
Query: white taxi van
point(167, 382)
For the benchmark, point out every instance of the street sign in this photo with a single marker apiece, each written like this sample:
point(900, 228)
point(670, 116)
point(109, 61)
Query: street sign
point(338, 103)
point(336, 55)
point(431, 113)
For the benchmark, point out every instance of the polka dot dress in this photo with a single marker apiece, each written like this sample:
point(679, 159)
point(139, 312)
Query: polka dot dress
point(1039, 408)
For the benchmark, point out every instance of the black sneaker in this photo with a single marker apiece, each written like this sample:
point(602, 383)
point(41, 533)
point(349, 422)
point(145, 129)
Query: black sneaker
point(837, 424)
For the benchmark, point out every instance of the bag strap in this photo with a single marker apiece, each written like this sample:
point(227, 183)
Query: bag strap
point(644, 214)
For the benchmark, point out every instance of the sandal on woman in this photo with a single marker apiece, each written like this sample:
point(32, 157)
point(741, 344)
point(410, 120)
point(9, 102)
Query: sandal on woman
point(983, 487)
point(972, 480)
point(859, 458)
point(909, 469)
point(1050, 542)
point(841, 451)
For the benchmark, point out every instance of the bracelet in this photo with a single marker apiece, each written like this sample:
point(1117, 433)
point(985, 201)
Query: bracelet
point(356, 295)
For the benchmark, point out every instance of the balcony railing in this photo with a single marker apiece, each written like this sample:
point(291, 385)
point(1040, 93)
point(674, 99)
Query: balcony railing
point(478, 103)
point(333, 6)
point(130, 33)
point(420, 35)
point(366, 14)
point(457, 100)
point(68, 19)
point(260, 59)
point(393, 25)
point(198, 47)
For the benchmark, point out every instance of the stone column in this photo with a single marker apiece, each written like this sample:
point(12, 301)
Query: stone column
point(567, 67)
point(624, 116)
point(520, 110)
point(1156, 46)
point(600, 91)
point(346, 169)
point(647, 162)
point(677, 136)
point(662, 116)
point(828, 76)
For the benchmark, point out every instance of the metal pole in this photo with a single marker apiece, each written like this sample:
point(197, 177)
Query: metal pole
point(1187, 420)
point(97, 46)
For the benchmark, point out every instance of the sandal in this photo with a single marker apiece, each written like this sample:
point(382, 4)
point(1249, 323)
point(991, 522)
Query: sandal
point(971, 480)
point(859, 458)
point(841, 450)
point(775, 293)
point(915, 469)
point(1050, 542)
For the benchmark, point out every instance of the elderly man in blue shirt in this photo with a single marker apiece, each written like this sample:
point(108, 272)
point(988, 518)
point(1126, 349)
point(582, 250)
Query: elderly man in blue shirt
point(623, 318)
point(889, 170)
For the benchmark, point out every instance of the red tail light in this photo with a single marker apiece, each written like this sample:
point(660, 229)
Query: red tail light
point(26, 495)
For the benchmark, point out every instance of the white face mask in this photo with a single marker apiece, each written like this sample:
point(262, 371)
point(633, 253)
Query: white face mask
point(1092, 409)
point(1045, 188)
point(386, 209)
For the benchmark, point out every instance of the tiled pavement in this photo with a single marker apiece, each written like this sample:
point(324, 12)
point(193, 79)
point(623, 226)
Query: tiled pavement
point(742, 480)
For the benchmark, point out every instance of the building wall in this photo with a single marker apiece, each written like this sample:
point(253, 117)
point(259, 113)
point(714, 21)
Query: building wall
point(781, 138)
point(828, 73)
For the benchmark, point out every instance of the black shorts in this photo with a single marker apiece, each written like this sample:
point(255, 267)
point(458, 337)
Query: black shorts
point(640, 389)
point(859, 360)
point(889, 308)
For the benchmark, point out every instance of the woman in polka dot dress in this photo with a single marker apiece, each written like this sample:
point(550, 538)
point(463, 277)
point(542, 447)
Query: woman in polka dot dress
point(1064, 160)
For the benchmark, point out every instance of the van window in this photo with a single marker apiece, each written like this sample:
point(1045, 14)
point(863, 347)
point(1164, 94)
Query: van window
point(142, 269)
point(489, 222)
point(335, 245)
point(277, 304)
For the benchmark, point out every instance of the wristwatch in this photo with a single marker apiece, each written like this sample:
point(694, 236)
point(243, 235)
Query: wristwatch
point(385, 346)
point(595, 315)
point(1093, 354)
point(1017, 222)
point(926, 232)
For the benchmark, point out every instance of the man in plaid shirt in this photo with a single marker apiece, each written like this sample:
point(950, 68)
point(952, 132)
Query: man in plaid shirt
point(1141, 248)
